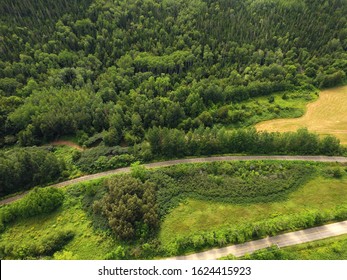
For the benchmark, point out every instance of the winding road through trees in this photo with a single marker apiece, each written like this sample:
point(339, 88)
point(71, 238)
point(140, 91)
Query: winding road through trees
point(182, 161)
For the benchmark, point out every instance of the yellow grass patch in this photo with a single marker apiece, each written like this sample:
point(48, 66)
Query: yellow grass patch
point(327, 115)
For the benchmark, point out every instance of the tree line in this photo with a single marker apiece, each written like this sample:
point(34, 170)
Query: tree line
point(170, 143)
point(157, 63)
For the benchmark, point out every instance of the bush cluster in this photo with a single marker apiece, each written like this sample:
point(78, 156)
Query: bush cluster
point(231, 182)
point(46, 246)
point(130, 207)
point(103, 158)
point(38, 201)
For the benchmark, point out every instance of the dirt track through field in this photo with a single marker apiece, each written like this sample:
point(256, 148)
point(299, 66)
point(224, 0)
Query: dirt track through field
point(327, 115)
point(182, 161)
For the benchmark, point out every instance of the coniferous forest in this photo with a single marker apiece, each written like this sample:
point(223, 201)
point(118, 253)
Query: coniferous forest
point(161, 77)
point(119, 68)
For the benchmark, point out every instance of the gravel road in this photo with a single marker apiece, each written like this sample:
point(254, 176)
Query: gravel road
point(190, 160)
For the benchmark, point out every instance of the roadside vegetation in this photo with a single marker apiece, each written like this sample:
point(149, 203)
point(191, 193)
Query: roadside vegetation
point(334, 248)
point(197, 206)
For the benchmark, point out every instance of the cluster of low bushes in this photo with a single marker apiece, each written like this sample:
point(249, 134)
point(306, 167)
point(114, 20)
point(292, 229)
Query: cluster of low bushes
point(255, 230)
point(231, 182)
point(103, 158)
point(36, 202)
point(46, 246)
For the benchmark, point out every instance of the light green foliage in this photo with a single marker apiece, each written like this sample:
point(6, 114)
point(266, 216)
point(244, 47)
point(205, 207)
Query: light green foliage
point(44, 247)
point(36, 202)
point(138, 171)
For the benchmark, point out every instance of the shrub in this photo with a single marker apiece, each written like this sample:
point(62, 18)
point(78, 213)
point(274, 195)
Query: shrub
point(336, 172)
point(119, 254)
point(130, 207)
point(47, 246)
point(36, 202)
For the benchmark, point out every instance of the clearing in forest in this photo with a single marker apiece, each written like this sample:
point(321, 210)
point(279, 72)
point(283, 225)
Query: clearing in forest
point(327, 115)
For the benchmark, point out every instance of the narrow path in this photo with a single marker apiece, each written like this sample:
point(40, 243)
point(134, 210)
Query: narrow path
point(283, 240)
point(191, 160)
point(66, 143)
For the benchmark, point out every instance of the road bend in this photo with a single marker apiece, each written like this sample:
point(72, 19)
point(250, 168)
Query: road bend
point(184, 161)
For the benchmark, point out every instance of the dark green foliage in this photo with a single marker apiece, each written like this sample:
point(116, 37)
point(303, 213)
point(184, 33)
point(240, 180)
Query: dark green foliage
point(205, 141)
point(47, 246)
point(51, 113)
point(21, 169)
point(111, 70)
point(36, 202)
point(130, 207)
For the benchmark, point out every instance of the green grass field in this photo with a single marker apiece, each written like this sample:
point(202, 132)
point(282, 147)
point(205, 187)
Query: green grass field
point(195, 216)
point(284, 105)
point(191, 216)
point(87, 242)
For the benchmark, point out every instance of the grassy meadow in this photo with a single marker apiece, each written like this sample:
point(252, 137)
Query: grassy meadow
point(184, 216)
point(194, 216)
point(327, 115)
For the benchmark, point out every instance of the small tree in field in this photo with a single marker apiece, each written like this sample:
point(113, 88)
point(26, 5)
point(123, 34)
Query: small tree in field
point(130, 207)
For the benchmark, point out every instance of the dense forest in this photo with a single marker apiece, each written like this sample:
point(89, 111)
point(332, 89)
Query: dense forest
point(109, 71)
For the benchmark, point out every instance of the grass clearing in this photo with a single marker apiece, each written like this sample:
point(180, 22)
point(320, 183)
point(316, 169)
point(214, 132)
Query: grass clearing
point(327, 115)
point(275, 106)
point(87, 244)
point(196, 216)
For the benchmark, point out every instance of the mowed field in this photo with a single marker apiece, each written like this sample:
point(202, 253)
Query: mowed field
point(327, 115)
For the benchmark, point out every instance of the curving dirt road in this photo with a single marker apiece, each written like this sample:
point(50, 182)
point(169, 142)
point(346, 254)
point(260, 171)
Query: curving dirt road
point(282, 240)
point(180, 161)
